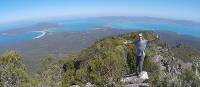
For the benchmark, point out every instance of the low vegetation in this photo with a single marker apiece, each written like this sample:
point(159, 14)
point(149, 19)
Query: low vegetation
point(102, 64)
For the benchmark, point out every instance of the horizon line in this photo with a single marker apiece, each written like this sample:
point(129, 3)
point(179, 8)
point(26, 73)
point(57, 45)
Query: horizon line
point(71, 18)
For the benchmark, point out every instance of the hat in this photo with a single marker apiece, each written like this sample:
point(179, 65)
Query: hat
point(140, 34)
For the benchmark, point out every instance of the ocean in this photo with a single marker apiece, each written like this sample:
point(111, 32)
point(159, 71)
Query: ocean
point(78, 25)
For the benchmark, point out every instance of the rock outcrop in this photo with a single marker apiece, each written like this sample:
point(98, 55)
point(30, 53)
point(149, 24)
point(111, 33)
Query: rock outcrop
point(136, 81)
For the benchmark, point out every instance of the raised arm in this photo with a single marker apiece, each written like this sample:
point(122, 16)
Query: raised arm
point(127, 42)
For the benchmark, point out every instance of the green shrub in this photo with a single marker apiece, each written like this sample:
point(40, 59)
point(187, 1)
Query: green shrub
point(13, 71)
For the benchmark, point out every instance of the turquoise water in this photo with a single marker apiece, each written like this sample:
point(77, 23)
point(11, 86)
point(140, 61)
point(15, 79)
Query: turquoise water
point(80, 25)
point(88, 24)
point(178, 28)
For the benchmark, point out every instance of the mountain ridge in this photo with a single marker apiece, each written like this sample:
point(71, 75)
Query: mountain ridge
point(104, 62)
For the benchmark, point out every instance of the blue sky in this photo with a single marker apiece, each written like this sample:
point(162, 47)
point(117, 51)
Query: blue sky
point(17, 10)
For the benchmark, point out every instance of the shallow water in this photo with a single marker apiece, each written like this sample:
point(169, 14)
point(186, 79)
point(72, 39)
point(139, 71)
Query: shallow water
point(11, 39)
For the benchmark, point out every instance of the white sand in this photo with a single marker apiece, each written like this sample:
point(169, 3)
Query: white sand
point(41, 35)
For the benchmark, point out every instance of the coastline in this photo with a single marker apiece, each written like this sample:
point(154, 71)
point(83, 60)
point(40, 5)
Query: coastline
point(41, 35)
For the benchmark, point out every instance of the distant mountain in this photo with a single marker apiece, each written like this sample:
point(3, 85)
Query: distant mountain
point(151, 19)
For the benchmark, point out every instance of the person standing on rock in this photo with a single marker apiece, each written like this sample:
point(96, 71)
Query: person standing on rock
point(141, 45)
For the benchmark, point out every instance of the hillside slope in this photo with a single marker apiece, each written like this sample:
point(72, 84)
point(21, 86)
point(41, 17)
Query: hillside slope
point(106, 61)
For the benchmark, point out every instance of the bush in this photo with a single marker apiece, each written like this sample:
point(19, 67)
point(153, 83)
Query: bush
point(13, 71)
